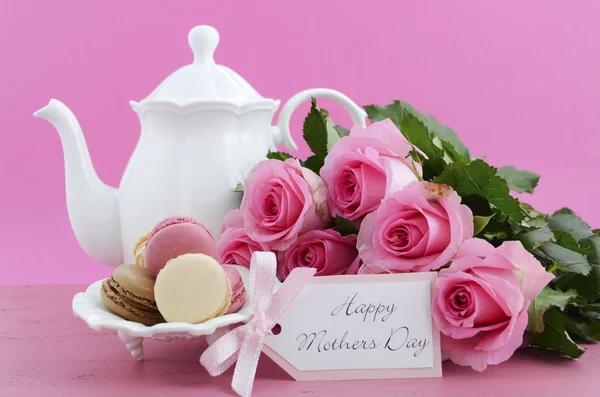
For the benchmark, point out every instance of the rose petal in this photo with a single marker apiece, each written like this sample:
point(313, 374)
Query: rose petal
point(463, 328)
point(532, 274)
point(387, 133)
point(462, 352)
point(232, 219)
point(372, 268)
point(327, 251)
point(506, 294)
point(439, 233)
point(398, 174)
point(278, 203)
point(499, 352)
point(506, 290)
point(364, 241)
point(487, 310)
point(354, 267)
point(450, 203)
point(318, 189)
point(471, 352)
point(466, 220)
point(235, 247)
point(372, 189)
point(475, 247)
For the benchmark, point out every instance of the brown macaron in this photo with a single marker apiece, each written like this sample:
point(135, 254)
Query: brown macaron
point(129, 293)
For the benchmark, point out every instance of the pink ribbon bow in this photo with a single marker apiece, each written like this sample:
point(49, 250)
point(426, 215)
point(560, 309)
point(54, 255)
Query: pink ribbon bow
point(244, 343)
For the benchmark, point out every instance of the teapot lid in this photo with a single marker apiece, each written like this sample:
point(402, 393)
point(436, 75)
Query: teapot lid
point(204, 80)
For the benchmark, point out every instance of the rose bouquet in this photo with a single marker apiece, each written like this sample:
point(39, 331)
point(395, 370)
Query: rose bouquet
point(404, 195)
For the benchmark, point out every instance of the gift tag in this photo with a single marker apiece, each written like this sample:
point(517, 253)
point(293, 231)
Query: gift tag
point(359, 327)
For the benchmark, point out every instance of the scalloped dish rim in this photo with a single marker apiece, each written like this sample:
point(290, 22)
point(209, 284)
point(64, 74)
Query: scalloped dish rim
point(88, 306)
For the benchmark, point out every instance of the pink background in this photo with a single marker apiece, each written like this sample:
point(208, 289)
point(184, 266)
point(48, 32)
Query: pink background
point(519, 80)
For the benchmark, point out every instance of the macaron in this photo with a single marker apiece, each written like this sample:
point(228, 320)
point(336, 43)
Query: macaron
point(139, 249)
point(129, 293)
point(238, 291)
point(174, 236)
point(192, 288)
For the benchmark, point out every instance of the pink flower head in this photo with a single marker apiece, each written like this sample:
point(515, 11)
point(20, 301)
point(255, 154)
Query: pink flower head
point(418, 228)
point(282, 200)
point(363, 167)
point(480, 302)
point(325, 250)
point(235, 246)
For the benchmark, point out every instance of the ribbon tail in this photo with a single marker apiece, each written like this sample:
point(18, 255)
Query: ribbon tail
point(215, 336)
point(223, 353)
point(245, 370)
point(263, 272)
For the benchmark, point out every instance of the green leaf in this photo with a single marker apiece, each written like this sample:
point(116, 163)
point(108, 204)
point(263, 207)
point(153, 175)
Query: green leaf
point(565, 240)
point(314, 163)
point(540, 221)
point(315, 134)
point(451, 152)
point(239, 188)
point(567, 260)
point(395, 111)
point(417, 134)
point(546, 299)
point(591, 307)
point(478, 205)
point(345, 226)
point(519, 180)
point(342, 132)
point(596, 232)
point(479, 178)
point(446, 134)
point(279, 156)
point(530, 212)
point(567, 221)
point(332, 134)
point(586, 327)
point(555, 335)
point(480, 222)
point(432, 168)
point(588, 286)
point(534, 238)
point(495, 231)
point(398, 111)
point(592, 245)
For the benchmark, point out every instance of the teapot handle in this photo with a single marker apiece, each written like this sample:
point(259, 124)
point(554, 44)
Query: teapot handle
point(282, 129)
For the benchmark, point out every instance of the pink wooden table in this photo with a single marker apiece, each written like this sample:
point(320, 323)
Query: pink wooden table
point(45, 351)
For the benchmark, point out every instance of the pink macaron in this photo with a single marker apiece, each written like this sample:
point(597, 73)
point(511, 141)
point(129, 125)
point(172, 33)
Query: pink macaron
point(174, 236)
point(238, 291)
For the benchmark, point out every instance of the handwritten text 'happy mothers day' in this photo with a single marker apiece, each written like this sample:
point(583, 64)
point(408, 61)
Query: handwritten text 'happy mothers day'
point(398, 338)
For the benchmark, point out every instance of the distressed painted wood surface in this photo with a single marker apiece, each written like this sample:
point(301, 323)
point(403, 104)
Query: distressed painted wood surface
point(45, 351)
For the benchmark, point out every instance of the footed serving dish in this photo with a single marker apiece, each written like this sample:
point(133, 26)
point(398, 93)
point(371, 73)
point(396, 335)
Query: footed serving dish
point(89, 307)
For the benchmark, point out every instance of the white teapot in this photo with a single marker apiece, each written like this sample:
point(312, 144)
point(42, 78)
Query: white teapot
point(203, 129)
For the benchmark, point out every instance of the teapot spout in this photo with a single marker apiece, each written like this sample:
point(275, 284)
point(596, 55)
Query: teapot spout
point(93, 206)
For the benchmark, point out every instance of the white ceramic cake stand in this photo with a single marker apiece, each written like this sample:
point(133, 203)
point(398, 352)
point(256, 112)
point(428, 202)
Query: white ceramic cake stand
point(89, 307)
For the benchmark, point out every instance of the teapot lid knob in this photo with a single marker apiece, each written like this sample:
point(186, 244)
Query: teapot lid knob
point(203, 41)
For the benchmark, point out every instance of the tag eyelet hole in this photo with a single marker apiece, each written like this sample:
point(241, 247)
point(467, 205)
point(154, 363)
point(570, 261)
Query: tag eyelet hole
point(276, 330)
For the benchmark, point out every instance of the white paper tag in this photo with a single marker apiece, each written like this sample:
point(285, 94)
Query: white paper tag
point(350, 326)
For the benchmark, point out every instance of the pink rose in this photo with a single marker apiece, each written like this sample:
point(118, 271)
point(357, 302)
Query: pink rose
point(480, 302)
point(362, 167)
point(325, 250)
point(235, 246)
point(418, 228)
point(282, 200)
